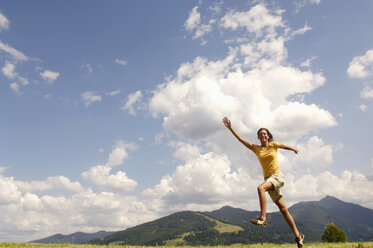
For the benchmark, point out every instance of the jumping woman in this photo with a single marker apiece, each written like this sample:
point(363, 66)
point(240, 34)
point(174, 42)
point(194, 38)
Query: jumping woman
point(273, 177)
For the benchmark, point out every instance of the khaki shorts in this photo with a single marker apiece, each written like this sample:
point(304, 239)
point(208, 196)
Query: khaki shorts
point(277, 181)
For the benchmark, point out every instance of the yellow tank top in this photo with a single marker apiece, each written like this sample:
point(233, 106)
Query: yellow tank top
point(268, 158)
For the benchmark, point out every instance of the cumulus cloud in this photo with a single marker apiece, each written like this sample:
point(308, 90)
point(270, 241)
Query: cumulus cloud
point(361, 66)
point(351, 186)
point(254, 86)
point(185, 151)
point(119, 153)
point(208, 181)
point(363, 107)
point(257, 20)
point(9, 70)
point(90, 97)
point(194, 19)
point(29, 213)
point(100, 175)
point(29, 216)
point(50, 76)
point(56, 182)
point(315, 154)
point(367, 92)
point(4, 22)
point(133, 99)
point(193, 23)
point(205, 182)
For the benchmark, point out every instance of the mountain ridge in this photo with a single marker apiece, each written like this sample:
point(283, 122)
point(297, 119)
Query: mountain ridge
point(73, 238)
point(202, 228)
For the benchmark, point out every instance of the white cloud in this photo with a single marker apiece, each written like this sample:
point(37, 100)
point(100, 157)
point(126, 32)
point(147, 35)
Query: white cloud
point(301, 31)
point(216, 7)
point(363, 107)
point(120, 153)
point(205, 91)
point(371, 163)
point(27, 215)
point(193, 23)
point(352, 186)
point(56, 182)
point(257, 20)
point(9, 192)
point(50, 76)
point(113, 93)
point(90, 97)
point(185, 151)
point(307, 62)
point(208, 181)
point(121, 62)
point(367, 92)
point(9, 70)
point(100, 175)
point(252, 85)
point(133, 99)
point(299, 4)
point(204, 182)
point(17, 55)
point(4, 22)
point(361, 66)
point(15, 88)
point(315, 154)
point(194, 19)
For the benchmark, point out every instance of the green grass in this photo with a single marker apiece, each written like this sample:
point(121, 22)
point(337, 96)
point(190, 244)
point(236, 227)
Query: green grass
point(223, 227)
point(311, 245)
point(220, 227)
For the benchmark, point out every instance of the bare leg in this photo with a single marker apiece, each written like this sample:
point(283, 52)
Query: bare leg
point(289, 219)
point(262, 188)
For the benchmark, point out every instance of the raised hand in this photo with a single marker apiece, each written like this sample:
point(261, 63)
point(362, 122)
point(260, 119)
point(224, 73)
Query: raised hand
point(227, 122)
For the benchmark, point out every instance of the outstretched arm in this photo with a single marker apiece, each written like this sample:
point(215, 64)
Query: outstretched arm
point(289, 148)
point(228, 124)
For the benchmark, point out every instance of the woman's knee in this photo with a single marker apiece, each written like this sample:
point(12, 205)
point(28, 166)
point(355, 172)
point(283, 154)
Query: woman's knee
point(261, 188)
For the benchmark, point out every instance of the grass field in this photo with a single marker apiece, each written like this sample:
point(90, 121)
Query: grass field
point(311, 245)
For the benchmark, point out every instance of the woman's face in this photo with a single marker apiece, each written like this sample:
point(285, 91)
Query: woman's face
point(263, 135)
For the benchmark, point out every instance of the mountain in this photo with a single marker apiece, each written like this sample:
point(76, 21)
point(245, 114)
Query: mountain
point(182, 228)
point(311, 219)
point(202, 228)
point(231, 225)
point(354, 219)
point(74, 238)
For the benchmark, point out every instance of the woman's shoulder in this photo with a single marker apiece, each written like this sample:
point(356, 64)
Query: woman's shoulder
point(274, 144)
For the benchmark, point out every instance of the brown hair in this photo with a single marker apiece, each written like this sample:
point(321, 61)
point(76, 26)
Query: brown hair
point(268, 132)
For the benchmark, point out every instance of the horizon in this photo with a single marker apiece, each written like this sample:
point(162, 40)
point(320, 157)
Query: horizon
point(111, 112)
point(67, 234)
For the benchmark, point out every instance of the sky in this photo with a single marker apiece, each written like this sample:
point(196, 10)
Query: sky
point(111, 111)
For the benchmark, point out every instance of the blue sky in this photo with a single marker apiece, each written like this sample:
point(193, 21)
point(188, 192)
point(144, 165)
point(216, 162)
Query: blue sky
point(111, 110)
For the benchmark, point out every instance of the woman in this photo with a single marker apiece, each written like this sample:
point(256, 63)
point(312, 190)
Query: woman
point(273, 177)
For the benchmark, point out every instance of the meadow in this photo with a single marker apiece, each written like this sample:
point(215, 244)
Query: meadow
point(310, 245)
